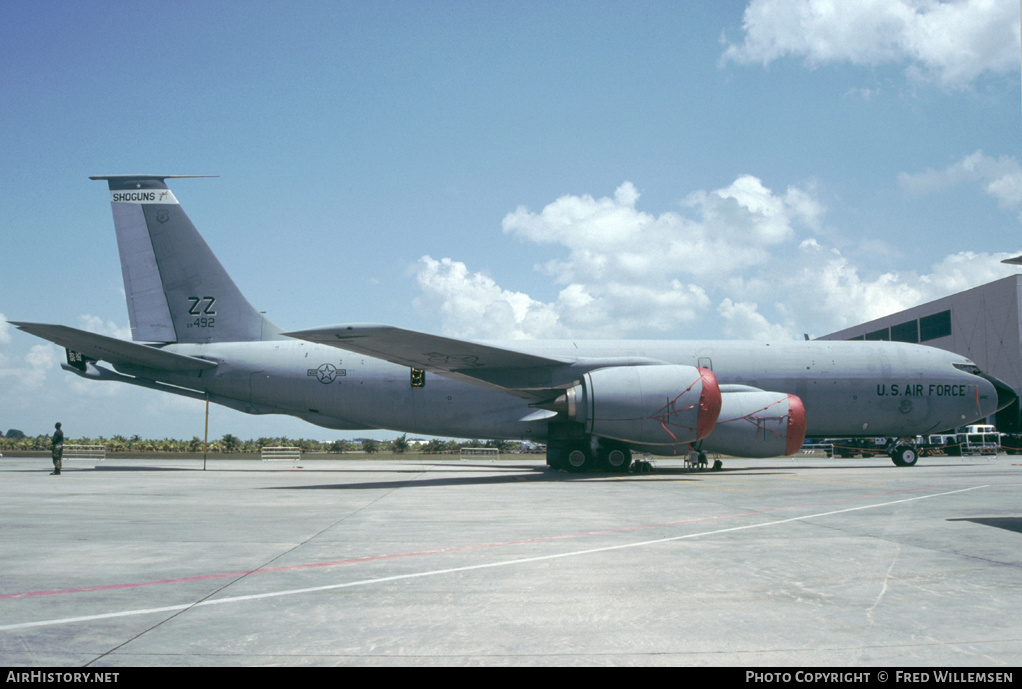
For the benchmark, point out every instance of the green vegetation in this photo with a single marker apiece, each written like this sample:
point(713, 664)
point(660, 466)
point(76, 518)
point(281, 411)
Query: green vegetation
point(228, 443)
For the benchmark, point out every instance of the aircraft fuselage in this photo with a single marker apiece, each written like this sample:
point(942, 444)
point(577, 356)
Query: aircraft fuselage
point(848, 389)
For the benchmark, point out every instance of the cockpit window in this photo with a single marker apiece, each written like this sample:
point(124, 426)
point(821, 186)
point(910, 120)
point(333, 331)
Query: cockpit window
point(968, 368)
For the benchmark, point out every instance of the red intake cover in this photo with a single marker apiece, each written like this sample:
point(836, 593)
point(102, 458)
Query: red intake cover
point(796, 424)
point(709, 405)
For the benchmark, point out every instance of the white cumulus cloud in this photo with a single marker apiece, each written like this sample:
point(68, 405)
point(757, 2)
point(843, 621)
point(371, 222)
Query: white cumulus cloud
point(95, 324)
point(25, 371)
point(29, 372)
point(951, 43)
point(742, 320)
point(742, 261)
point(472, 305)
point(625, 270)
point(1001, 178)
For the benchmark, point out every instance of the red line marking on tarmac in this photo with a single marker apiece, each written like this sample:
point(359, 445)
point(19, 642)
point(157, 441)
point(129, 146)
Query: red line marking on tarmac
point(439, 551)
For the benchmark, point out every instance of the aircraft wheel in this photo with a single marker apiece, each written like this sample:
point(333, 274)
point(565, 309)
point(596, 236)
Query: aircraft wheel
point(618, 460)
point(555, 457)
point(904, 456)
point(579, 459)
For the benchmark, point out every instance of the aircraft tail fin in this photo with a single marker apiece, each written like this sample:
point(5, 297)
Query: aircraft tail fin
point(177, 290)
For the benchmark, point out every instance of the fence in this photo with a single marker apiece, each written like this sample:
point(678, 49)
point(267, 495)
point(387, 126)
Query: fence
point(280, 454)
point(97, 452)
point(491, 452)
point(826, 449)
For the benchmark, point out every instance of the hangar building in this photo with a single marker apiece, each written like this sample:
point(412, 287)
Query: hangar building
point(983, 323)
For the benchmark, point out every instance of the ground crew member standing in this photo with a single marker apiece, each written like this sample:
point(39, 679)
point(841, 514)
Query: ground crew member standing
point(58, 449)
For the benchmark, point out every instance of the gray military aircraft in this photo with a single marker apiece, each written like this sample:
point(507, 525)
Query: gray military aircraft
point(592, 403)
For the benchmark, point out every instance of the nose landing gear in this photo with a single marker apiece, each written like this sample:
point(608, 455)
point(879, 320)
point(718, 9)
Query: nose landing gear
point(904, 455)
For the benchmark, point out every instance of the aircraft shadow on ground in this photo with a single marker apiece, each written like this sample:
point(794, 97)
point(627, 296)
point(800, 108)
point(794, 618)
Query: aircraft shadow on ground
point(1007, 523)
point(533, 473)
point(523, 474)
point(508, 473)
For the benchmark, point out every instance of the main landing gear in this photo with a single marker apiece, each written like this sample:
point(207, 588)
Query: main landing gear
point(580, 456)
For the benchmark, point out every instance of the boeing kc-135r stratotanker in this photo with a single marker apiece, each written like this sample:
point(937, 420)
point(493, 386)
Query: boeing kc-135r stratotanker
point(592, 403)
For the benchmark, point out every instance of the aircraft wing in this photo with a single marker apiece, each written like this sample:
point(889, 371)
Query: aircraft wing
point(112, 350)
point(518, 373)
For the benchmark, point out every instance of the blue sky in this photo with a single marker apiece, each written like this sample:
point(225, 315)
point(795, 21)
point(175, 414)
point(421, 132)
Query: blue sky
point(739, 170)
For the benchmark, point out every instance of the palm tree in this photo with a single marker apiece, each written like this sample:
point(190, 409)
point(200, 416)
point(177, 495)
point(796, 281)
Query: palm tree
point(340, 446)
point(229, 443)
point(435, 446)
point(503, 446)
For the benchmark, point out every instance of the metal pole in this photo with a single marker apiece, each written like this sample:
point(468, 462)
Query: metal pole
point(205, 436)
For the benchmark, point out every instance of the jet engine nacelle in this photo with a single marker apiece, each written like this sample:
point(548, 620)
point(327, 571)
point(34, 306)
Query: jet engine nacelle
point(758, 424)
point(650, 405)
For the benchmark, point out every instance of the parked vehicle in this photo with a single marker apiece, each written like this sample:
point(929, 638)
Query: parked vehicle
point(976, 439)
point(1011, 443)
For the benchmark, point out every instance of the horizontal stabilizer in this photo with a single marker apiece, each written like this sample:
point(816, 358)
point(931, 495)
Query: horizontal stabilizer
point(117, 352)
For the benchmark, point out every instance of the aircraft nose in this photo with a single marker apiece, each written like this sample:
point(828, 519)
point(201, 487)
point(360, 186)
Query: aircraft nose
point(1005, 395)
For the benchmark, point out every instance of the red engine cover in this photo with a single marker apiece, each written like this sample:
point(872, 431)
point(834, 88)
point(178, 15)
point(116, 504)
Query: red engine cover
point(758, 424)
point(648, 405)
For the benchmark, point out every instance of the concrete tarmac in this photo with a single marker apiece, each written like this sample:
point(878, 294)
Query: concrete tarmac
point(780, 562)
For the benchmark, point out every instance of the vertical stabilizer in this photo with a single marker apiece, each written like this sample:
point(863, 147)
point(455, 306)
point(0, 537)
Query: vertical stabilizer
point(177, 291)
